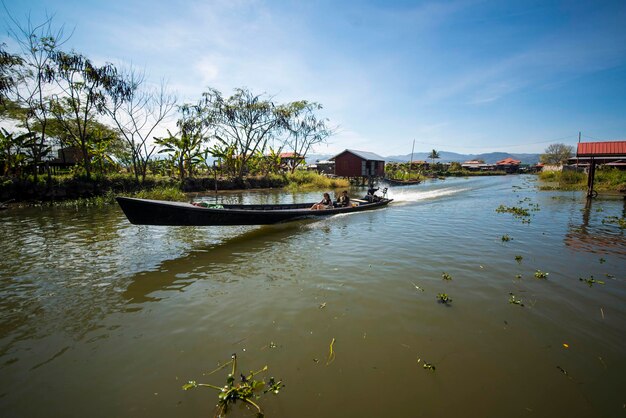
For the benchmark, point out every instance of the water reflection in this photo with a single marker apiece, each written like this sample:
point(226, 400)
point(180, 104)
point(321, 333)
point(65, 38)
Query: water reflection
point(593, 234)
point(208, 261)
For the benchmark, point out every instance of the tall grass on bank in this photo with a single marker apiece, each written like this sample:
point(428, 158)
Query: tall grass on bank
point(170, 193)
point(607, 179)
point(301, 180)
point(65, 191)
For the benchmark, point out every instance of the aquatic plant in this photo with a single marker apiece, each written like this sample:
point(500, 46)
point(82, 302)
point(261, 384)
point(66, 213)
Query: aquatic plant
point(614, 220)
point(517, 211)
point(519, 259)
point(514, 301)
point(518, 276)
point(427, 365)
point(443, 298)
point(506, 238)
point(446, 276)
point(247, 390)
point(591, 281)
point(331, 353)
point(602, 260)
point(541, 274)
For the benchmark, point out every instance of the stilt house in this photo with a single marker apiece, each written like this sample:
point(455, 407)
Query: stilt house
point(352, 163)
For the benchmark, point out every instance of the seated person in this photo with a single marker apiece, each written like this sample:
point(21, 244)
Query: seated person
point(344, 199)
point(371, 197)
point(325, 203)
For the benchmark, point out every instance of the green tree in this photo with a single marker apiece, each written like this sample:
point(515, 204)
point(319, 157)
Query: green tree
point(38, 44)
point(305, 131)
point(557, 154)
point(434, 155)
point(10, 66)
point(244, 123)
point(86, 89)
point(13, 150)
point(184, 151)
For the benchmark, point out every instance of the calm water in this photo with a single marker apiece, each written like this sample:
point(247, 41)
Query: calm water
point(101, 318)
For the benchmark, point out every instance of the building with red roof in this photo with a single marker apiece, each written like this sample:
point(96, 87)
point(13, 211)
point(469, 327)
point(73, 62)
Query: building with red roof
point(509, 165)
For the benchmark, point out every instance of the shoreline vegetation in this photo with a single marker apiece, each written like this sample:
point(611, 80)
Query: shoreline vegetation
point(80, 191)
point(72, 191)
point(609, 180)
point(76, 191)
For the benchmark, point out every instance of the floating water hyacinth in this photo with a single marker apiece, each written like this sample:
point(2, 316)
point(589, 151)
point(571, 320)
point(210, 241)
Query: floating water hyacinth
point(591, 281)
point(427, 365)
point(444, 298)
point(517, 211)
point(247, 390)
point(541, 274)
point(514, 301)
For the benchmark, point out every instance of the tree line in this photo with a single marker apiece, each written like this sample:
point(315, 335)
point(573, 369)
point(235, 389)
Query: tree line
point(54, 97)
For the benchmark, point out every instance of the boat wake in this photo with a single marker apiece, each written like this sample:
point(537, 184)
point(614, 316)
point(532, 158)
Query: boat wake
point(410, 196)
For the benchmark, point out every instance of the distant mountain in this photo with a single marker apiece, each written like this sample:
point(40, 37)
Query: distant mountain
point(446, 157)
point(313, 158)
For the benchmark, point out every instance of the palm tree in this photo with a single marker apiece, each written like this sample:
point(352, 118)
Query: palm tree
point(184, 151)
point(434, 155)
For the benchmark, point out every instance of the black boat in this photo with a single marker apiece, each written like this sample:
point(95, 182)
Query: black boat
point(159, 212)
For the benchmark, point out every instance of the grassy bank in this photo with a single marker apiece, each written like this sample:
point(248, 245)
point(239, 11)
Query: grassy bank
point(79, 191)
point(606, 180)
point(308, 180)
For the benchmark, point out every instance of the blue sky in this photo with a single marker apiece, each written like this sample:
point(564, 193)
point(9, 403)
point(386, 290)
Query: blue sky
point(463, 76)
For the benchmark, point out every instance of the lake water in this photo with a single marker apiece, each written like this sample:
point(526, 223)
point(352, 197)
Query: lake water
point(102, 318)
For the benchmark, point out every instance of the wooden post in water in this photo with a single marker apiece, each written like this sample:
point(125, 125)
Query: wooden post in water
point(590, 178)
point(215, 175)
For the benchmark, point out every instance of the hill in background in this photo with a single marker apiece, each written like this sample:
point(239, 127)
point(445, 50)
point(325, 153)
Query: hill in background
point(446, 157)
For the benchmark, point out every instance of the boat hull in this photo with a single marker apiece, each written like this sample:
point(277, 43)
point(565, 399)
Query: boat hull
point(157, 212)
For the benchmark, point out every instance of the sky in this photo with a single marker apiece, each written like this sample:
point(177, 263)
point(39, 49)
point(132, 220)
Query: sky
point(465, 76)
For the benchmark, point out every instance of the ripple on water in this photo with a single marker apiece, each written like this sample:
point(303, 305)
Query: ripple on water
point(182, 297)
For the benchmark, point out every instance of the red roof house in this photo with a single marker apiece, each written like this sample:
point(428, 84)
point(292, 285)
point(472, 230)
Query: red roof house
point(509, 165)
point(353, 163)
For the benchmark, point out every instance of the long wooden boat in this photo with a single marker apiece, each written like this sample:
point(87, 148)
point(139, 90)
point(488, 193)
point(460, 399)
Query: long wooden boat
point(158, 212)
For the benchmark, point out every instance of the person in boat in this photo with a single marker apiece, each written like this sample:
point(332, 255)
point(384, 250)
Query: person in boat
point(371, 196)
point(344, 200)
point(325, 203)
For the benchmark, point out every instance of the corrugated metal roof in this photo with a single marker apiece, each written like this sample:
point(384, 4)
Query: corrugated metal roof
point(370, 156)
point(596, 149)
point(509, 161)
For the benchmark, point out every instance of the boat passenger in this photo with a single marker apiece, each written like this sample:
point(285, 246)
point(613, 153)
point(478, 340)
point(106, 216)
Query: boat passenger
point(344, 199)
point(325, 203)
